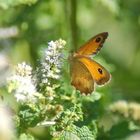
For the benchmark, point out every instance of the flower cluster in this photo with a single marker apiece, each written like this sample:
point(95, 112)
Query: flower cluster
point(49, 70)
point(51, 63)
point(22, 85)
point(128, 110)
point(41, 106)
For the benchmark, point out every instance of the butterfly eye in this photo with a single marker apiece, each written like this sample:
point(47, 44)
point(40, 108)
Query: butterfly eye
point(98, 39)
point(100, 71)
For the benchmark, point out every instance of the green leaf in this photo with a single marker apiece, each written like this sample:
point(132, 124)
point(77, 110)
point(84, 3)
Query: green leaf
point(29, 115)
point(69, 136)
point(120, 130)
point(84, 133)
point(26, 137)
point(133, 126)
point(93, 97)
point(78, 133)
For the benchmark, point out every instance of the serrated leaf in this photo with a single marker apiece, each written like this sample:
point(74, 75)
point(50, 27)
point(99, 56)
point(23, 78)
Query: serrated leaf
point(78, 133)
point(84, 133)
point(67, 135)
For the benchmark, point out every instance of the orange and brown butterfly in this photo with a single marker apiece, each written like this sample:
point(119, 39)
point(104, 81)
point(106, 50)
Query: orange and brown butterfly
point(84, 71)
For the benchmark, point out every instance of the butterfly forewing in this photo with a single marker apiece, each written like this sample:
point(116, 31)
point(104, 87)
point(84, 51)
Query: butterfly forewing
point(93, 45)
point(81, 78)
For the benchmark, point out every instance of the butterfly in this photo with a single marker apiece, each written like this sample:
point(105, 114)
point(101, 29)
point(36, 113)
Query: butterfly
point(84, 71)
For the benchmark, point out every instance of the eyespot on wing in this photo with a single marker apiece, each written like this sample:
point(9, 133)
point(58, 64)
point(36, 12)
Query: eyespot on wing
point(94, 45)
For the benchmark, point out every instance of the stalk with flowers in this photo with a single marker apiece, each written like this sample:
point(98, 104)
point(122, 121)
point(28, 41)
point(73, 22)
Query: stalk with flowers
point(40, 99)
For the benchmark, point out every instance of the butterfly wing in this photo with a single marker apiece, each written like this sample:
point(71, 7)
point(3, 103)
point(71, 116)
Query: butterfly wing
point(81, 78)
point(98, 72)
point(93, 45)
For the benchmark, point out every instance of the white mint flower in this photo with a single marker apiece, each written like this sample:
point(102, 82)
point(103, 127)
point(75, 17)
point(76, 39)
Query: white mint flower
point(51, 64)
point(127, 109)
point(23, 69)
point(52, 44)
point(121, 107)
point(22, 84)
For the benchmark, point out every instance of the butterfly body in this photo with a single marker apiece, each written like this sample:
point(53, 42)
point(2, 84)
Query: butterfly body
point(84, 71)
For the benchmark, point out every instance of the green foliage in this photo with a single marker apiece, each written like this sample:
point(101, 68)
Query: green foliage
point(29, 115)
point(78, 133)
point(5, 4)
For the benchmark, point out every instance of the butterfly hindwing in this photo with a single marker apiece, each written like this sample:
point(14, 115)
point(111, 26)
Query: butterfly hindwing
point(93, 45)
point(98, 72)
point(81, 78)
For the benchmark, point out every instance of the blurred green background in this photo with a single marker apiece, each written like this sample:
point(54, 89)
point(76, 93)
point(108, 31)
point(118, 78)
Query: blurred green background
point(25, 25)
